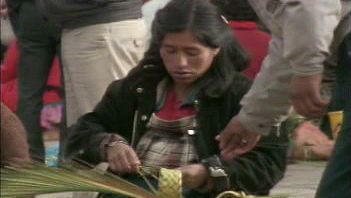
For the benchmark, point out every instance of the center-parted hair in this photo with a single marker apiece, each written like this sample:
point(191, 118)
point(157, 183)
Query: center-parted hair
point(202, 19)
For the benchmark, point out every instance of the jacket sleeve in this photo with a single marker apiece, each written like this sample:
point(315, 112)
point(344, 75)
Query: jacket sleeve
point(85, 137)
point(257, 171)
point(301, 34)
point(93, 1)
point(315, 20)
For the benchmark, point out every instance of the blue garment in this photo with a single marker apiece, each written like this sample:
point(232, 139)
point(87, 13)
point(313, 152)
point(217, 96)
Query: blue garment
point(51, 155)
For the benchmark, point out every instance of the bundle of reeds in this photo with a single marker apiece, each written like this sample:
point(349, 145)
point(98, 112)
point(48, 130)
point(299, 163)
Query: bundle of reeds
point(35, 179)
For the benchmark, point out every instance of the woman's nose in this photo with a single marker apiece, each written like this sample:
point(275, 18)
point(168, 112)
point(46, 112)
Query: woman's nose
point(181, 59)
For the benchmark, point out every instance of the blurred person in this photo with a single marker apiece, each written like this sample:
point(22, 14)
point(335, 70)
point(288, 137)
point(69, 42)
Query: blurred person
point(9, 91)
point(14, 148)
point(243, 21)
point(101, 41)
point(338, 171)
point(38, 40)
point(291, 73)
point(51, 112)
point(168, 110)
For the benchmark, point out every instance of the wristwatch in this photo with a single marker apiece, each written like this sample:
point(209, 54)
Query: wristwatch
point(217, 173)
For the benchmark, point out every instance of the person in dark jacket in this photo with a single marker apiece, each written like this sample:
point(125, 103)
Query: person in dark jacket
point(168, 110)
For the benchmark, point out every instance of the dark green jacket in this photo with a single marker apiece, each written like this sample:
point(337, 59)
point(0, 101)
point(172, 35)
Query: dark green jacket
point(131, 101)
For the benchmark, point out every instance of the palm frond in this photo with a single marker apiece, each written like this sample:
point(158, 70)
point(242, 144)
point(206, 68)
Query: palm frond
point(37, 179)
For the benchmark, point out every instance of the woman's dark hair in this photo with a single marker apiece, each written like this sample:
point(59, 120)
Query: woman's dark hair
point(201, 18)
point(236, 10)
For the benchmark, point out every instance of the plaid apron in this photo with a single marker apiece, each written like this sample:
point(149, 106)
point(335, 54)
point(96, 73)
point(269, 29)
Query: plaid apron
point(167, 143)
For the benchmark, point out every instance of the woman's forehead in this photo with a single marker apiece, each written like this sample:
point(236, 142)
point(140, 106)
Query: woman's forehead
point(185, 39)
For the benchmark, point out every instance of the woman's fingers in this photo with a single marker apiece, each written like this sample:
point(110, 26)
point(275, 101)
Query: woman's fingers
point(123, 159)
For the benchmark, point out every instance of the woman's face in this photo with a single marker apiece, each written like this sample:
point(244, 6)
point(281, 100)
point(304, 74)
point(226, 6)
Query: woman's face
point(186, 59)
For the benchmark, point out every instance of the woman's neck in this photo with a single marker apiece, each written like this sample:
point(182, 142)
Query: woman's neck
point(181, 91)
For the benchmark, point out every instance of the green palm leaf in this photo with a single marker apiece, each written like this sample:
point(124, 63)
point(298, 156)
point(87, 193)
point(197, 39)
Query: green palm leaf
point(37, 179)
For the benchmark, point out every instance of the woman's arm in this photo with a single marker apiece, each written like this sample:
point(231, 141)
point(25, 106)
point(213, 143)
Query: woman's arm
point(86, 136)
point(257, 171)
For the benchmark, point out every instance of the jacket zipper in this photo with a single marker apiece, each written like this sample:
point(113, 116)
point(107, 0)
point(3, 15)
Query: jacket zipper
point(135, 122)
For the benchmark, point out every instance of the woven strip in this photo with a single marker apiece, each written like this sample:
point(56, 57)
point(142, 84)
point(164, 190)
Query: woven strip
point(170, 183)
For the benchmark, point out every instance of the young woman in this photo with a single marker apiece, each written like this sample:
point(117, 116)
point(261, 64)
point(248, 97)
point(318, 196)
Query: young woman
point(168, 111)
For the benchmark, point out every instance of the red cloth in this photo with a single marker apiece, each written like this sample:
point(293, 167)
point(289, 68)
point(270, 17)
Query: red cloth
point(9, 94)
point(8, 67)
point(9, 79)
point(172, 109)
point(254, 41)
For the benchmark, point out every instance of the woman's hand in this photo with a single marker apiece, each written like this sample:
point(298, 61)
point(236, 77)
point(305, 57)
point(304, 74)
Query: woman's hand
point(122, 158)
point(194, 175)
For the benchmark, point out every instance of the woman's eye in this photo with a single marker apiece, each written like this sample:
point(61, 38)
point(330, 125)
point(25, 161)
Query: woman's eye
point(170, 51)
point(192, 53)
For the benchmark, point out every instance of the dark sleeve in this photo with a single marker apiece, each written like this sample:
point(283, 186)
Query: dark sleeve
point(84, 137)
point(92, 1)
point(257, 171)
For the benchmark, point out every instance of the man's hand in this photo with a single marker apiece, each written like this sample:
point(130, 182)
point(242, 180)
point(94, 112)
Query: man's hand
point(194, 175)
point(235, 140)
point(122, 159)
point(305, 96)
point(3, 9)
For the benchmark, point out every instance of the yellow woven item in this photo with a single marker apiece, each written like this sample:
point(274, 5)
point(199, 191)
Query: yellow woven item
point(233, 194)
point(170, 186)
point(170, 183)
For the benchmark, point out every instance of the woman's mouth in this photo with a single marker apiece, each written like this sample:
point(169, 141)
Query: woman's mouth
point(182, 75)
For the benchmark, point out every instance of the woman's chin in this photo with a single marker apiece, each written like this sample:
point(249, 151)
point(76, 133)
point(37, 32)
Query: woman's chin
point(184, 80)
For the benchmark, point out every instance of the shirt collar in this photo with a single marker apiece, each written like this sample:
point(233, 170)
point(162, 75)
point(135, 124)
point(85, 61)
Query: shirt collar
point(165, 84)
